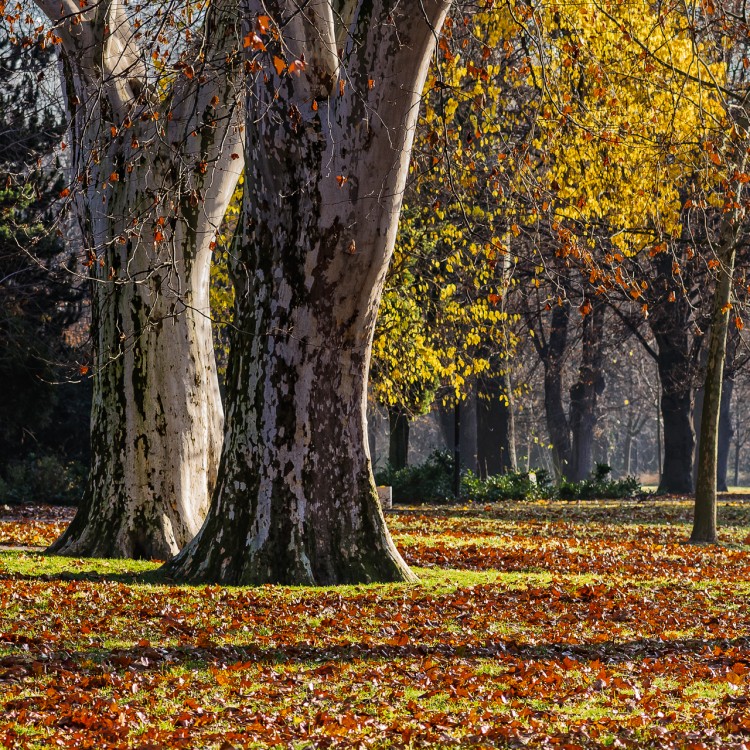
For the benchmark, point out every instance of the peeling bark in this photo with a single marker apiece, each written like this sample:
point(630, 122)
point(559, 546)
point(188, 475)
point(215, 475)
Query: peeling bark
point(296, 501)
point(154, 177)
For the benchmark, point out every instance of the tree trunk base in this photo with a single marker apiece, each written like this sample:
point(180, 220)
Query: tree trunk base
point(240, 554)
point(118, 534)
point(697, 542)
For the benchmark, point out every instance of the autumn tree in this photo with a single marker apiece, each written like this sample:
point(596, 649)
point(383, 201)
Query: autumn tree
point(331, 115)
point(155, 153)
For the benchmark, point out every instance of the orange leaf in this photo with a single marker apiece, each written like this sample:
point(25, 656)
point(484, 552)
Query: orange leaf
point(297, 66)
point(279, 64)
point(253, 41)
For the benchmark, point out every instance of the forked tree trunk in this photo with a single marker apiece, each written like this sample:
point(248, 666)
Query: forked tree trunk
point(328, 156)
point(152, 179)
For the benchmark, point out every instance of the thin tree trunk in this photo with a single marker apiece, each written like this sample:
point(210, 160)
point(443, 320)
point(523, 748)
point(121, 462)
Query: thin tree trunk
point(737, 451)
point(726, 431)
point(328, 156)
point(704, 521)
point(149, 217)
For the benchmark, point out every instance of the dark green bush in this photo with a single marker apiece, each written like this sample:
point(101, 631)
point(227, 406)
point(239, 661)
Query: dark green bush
point(600, 486)
point(518, 485)
point(430, 482)
point(42, 479)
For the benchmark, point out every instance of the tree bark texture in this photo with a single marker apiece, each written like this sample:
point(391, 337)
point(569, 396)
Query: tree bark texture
point(496, 450)
point(584, 393)
point(152, 179)
point(328, 155)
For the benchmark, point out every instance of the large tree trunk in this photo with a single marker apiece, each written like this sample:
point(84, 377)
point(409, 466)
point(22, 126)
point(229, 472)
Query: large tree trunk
point(328, 158)
point(398, 437)
point(583, 394)
point(154, 180)
point(496, 449)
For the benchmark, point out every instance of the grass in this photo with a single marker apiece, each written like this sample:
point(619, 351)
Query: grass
point(560, 624)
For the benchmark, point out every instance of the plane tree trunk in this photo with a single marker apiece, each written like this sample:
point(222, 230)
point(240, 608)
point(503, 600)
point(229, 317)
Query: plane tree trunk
point(151, 180)
point(328, 155)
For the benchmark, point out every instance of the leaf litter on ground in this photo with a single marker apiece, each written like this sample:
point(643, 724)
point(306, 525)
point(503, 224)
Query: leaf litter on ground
point(534, 624)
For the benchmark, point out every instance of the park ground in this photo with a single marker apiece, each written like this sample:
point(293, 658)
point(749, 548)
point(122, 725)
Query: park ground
point(539, 624)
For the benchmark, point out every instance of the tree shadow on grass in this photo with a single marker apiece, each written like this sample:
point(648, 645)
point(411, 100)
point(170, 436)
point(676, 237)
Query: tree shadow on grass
point(145, 658)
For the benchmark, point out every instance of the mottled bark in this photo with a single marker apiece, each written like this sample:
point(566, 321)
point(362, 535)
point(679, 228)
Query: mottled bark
point(328, 155)
point(496, 449)
point(152, 179)
point(584, 393)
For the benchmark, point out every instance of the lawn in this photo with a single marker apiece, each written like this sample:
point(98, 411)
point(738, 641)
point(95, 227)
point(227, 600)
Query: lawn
point(538, 624)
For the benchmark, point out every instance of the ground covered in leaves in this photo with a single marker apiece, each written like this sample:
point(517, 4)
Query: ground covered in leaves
point(537, 624)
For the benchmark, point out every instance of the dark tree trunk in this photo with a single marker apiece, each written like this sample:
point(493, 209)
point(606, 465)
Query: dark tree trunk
point(670, 326)
point(398, 437)
point(583, 394)
point(328, 157)
point(557, 421)
point(496, 450)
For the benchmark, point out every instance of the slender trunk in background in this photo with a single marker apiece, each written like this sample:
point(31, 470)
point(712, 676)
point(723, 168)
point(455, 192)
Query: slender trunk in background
point(328, 147)
point(149, 195)
point(726, 432)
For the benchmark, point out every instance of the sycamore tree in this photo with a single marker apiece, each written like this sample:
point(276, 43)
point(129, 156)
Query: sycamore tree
point(330, 114)
point(154, 152)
